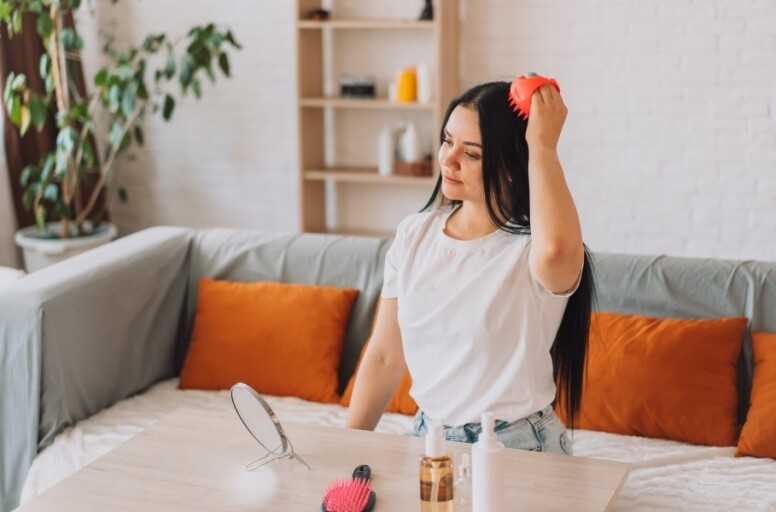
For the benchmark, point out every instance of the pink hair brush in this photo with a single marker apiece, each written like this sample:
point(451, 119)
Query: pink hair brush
point(522, 89)
point(353, 494)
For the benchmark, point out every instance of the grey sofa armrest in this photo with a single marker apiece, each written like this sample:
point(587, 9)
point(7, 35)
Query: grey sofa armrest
point(83, 334)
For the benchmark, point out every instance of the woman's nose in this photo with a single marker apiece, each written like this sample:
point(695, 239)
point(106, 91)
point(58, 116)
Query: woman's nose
point(449, 159)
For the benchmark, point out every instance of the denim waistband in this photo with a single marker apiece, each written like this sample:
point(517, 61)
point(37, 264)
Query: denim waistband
point(535, 418)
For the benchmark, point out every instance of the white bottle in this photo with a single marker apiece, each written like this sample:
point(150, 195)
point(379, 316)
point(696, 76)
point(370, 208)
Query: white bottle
point(386, 151)
point(488, 469)
point(423, 82)
point(410, 144)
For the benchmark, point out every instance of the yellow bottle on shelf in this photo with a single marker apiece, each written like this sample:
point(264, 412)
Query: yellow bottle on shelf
point(407, 85)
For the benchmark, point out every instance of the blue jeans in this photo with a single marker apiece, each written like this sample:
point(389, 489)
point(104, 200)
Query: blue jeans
point(541, 431)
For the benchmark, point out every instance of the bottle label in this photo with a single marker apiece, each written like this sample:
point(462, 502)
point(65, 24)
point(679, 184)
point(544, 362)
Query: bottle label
point(444, 490)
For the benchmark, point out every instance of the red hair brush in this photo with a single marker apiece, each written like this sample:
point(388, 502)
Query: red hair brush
point(350, 494)
point(522, 89)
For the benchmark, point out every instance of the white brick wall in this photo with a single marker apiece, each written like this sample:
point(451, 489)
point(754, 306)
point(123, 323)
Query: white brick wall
point(670, 144)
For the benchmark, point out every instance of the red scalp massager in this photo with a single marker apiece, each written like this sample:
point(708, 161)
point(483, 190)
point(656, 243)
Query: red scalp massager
point(522, 89)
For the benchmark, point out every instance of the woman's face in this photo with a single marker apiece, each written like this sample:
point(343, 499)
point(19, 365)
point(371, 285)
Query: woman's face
point(460, 156)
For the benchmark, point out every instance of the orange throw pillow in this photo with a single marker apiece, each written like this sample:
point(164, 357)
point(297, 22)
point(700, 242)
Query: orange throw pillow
point(282, 339)
point(669, 378)
point(758, 437)
point(401, 401)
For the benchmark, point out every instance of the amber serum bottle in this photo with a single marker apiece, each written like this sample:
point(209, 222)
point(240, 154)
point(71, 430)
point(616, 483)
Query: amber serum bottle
point(436, 474)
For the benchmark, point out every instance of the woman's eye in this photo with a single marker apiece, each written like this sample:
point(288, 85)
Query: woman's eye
point(472, 156)
point(448, 142)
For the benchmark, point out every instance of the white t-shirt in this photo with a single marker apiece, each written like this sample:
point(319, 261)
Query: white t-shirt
point(476, 327)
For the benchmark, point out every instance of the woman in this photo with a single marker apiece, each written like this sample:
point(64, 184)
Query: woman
point(488, 291)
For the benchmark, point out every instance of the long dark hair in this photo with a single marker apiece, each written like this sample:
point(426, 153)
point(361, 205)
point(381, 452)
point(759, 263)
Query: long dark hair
point(505, 180)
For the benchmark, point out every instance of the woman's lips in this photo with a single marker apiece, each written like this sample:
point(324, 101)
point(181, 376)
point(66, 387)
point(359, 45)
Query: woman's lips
point(447, 179)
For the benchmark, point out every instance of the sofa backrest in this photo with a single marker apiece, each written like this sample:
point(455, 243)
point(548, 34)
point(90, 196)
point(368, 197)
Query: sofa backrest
point(665, 286)
point(245, 256)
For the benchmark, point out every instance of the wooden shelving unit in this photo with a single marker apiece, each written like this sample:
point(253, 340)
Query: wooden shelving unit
point(316, 107)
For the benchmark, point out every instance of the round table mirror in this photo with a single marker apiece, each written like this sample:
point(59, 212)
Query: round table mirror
point(262, 423)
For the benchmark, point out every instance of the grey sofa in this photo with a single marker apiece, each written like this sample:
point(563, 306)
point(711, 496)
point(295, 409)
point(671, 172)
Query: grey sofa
point(86, 333)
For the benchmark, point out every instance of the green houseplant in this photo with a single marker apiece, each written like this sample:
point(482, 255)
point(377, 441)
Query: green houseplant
point(138, 81)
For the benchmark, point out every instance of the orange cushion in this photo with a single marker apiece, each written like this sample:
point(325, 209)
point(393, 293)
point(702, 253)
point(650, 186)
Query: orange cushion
point(401, 401)
point(667, 378)
point(281, 339)
point(758, 437)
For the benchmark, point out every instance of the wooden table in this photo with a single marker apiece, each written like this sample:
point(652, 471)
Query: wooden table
point(194, 460)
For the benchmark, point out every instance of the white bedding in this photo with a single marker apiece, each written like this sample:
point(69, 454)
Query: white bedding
point(665, 475)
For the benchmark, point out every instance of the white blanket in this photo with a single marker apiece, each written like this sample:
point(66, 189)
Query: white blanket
point(665, 475)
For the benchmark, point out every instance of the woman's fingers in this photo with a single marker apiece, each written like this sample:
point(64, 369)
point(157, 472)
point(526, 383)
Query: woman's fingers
point(548, 95)
point(548, 113)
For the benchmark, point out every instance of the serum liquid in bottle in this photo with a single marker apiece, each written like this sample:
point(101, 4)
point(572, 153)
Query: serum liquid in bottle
point(436, 474)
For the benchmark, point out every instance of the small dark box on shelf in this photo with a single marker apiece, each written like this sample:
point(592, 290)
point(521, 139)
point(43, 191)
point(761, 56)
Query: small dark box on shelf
point(357, 86)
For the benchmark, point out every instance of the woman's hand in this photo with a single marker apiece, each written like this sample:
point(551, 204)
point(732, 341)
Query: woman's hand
point(548, 113)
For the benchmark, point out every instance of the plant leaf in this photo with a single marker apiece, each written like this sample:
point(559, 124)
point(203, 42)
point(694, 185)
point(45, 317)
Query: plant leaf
point(14, 107)
point(26, 175)
point(45, 25)
point(26, 118)
point(128, 102)
point(19, 82)
point(39, 112)
point(48, 166)
point(5, 11)
point(230, 37)
point(16, 21)
point(169, 69)
point(114, 96)
point(43, 67)
point(196, 86)
point(115, 135)
point(187, 68)
point(51, 192)
point(101, 78)
point(67, 38)
point(169, 105)
point(223, 63)
point(49, 82)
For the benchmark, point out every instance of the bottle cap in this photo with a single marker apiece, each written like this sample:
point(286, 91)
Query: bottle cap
point(434, 440)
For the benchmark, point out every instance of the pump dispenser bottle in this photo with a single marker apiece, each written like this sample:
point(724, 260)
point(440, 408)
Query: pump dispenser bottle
point(436, 474)
point(488, 469)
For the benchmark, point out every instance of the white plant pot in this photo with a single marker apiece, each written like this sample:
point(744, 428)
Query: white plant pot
point(43, 248)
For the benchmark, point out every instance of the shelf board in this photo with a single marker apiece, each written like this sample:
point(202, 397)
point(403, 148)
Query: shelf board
point(365, 103)
point(365, 24)
point(366, 175)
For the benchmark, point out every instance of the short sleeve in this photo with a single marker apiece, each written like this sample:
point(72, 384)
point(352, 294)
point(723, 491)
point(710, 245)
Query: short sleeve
point(393, 259)
point(544, 292)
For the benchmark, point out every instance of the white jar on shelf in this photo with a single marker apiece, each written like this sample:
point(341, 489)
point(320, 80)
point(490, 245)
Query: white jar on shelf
point(386, 151)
